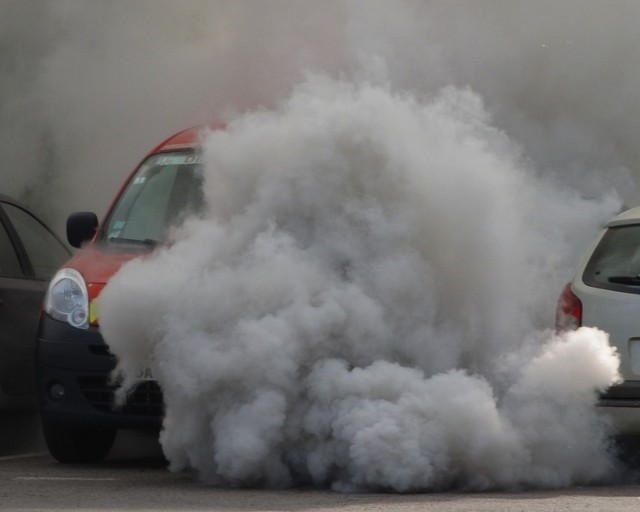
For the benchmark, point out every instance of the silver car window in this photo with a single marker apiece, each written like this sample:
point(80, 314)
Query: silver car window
point(615, 263)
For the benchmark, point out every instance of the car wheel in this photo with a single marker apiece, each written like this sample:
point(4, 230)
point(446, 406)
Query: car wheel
point(72, 444)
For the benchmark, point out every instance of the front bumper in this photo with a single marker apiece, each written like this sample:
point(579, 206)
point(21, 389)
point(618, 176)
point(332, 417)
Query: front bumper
point(73, 368)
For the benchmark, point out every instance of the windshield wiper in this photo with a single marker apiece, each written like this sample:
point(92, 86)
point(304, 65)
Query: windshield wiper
point(147, 242)
point(630, 280)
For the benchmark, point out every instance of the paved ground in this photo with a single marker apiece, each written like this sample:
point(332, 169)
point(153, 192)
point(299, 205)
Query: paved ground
point(135, 478)
point(37, 483)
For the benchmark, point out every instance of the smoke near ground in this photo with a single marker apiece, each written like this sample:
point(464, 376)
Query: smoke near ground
point(364, 305)
point(367, 304)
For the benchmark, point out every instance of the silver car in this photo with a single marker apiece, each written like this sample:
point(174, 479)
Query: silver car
point(605, 293)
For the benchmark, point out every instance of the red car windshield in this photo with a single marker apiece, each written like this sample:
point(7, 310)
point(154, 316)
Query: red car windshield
point(166, 189)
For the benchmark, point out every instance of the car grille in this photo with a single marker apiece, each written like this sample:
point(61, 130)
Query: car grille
point(144, 400)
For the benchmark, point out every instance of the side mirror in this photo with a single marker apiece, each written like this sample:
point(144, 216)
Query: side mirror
point(81, 227)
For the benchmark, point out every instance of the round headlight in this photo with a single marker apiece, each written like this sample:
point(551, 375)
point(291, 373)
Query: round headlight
point(67, 298)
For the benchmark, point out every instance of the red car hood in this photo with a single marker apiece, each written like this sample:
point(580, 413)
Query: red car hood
point(97, 266)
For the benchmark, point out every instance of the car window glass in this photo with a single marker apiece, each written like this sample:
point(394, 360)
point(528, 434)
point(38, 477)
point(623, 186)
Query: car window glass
point(616, 257)
point(146, 218)
point(165, 190)
point(45, 252)
point(9, 263)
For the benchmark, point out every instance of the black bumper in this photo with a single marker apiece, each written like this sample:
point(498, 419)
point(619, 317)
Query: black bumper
point(626, 394)
point(73, 369)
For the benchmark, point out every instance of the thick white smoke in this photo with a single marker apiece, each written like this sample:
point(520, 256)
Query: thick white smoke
point(366, 304)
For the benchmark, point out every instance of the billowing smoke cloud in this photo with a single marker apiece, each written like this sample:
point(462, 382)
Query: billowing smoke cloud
point(374, 253)
point(365, 304)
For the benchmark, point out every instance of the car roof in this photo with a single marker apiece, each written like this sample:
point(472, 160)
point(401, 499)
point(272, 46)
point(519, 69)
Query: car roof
point(8, 199)
point(186, 139)
point(191, 138)
point(631, 216)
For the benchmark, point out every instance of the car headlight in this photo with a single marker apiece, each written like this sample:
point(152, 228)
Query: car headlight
point(67, 298)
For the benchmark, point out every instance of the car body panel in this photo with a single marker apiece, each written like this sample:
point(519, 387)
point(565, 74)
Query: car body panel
point(20, 301)
point(615, 313)
point(81, 361)
point(98, 264)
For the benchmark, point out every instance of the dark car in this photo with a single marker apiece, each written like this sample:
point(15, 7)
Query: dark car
point(30, 253)
point(75, 391)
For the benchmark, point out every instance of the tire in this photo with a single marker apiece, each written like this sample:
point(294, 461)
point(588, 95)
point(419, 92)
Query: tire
point(77, 445)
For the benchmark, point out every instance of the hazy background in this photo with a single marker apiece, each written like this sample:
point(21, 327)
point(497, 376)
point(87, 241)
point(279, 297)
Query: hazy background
point(88, 88)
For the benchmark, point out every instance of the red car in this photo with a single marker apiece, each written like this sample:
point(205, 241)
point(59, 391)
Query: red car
point(73, 363)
